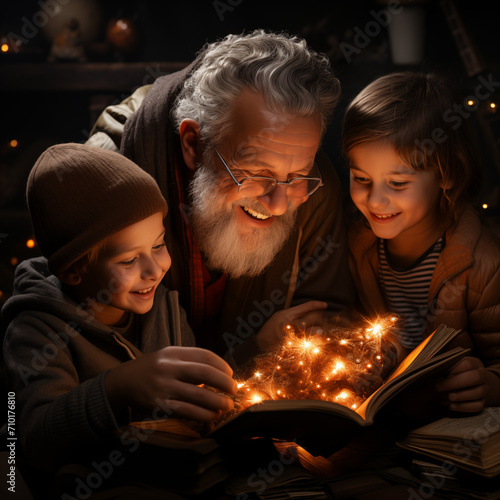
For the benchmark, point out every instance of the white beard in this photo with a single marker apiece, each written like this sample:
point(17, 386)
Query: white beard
point(215, 228)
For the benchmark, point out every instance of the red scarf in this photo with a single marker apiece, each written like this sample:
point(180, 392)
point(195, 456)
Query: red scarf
point(206, 293)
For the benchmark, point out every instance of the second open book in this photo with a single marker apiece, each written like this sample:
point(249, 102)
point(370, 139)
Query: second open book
point(322, 427)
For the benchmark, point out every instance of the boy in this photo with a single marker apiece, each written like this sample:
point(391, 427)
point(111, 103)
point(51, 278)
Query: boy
point(92, 338)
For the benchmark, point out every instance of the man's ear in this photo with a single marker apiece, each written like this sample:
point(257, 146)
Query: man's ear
point(71, 276)
point(189, 131)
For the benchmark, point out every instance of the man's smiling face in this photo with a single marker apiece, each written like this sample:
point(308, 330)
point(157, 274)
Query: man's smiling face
point(269, 145)
point(241, 235)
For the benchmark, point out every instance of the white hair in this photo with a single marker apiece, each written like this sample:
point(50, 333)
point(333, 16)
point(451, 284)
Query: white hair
point(292, 79)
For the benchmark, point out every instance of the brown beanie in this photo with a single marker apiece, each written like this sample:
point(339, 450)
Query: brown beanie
point(78, 195)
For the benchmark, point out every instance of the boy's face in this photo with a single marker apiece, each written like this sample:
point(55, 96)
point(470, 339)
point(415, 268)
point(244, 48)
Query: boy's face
point(400, 203)
point(127, 271)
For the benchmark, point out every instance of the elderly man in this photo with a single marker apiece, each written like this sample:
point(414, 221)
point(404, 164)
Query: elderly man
point(255, 225)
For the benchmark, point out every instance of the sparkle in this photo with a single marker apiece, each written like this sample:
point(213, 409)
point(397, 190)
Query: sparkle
point(342, 365)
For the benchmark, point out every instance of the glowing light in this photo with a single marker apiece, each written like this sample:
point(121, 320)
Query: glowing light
point(4, 47)
point(30, 243)
point(13, 143)
point(13, 261)
point(470, 102)
point(342, 395)
point(256, 398)
point(485, 205)
point(337, 365)
point(493, 105)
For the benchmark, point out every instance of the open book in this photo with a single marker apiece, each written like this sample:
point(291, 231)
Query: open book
point(469, 442)
point(322, 427)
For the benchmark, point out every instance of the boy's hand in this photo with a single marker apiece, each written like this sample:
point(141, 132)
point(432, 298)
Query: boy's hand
point(169, 380)
point(468, 386)
point(271, 333)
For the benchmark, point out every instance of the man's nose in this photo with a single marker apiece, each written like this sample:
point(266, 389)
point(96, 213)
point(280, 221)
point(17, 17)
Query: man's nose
point(277, 200)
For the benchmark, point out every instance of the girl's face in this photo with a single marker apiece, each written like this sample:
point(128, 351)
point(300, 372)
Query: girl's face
point(399, 202)
point(127, 271)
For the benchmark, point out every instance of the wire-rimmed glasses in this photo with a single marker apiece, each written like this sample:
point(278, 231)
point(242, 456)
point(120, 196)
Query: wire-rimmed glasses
point(298, 187)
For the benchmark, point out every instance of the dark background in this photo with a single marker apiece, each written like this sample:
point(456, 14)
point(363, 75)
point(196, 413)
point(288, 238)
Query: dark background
point(40, 108)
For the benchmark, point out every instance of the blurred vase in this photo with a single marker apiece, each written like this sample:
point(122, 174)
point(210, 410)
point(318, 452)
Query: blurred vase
point(58, 16)
point(123, 35)
point(407, 35)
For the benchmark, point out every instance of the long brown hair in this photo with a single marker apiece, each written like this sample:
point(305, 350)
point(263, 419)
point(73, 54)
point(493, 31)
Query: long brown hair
point(417, 113)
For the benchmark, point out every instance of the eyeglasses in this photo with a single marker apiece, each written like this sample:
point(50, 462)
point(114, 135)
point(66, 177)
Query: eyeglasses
point(298, 187)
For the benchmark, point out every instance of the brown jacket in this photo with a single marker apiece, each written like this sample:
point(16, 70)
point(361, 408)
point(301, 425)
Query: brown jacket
point(312, 265)
point(466, 283)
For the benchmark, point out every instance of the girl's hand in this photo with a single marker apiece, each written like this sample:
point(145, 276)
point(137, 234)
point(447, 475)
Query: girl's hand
point(468, 386)
point(271, 333)
point(168, 382)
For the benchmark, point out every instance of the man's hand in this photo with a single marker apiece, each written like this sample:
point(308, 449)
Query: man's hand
point(469, 387)
point(170, 379)
point(303, 316)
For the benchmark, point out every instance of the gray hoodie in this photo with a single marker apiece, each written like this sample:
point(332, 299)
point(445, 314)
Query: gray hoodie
point(56, 356)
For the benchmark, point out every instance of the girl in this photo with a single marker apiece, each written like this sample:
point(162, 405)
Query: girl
point(420, 249)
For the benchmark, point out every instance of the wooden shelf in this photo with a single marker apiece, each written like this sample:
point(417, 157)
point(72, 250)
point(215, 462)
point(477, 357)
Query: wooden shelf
point(90, 77)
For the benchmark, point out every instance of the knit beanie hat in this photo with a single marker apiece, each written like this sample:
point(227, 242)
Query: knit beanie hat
point(78, 195)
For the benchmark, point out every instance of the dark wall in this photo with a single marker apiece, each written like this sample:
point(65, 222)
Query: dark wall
point(175, 31)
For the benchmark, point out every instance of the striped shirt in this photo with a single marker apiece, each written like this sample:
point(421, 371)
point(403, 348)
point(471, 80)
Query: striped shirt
point(406, 290)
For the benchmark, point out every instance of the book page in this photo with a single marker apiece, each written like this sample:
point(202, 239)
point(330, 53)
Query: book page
point(416, 358)
point(426, 349)
point(170, 425)
point(390, 389)
point(475, 427)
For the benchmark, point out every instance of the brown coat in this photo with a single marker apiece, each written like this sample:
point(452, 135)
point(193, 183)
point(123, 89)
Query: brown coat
point(312, 265)
point(466, 283)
